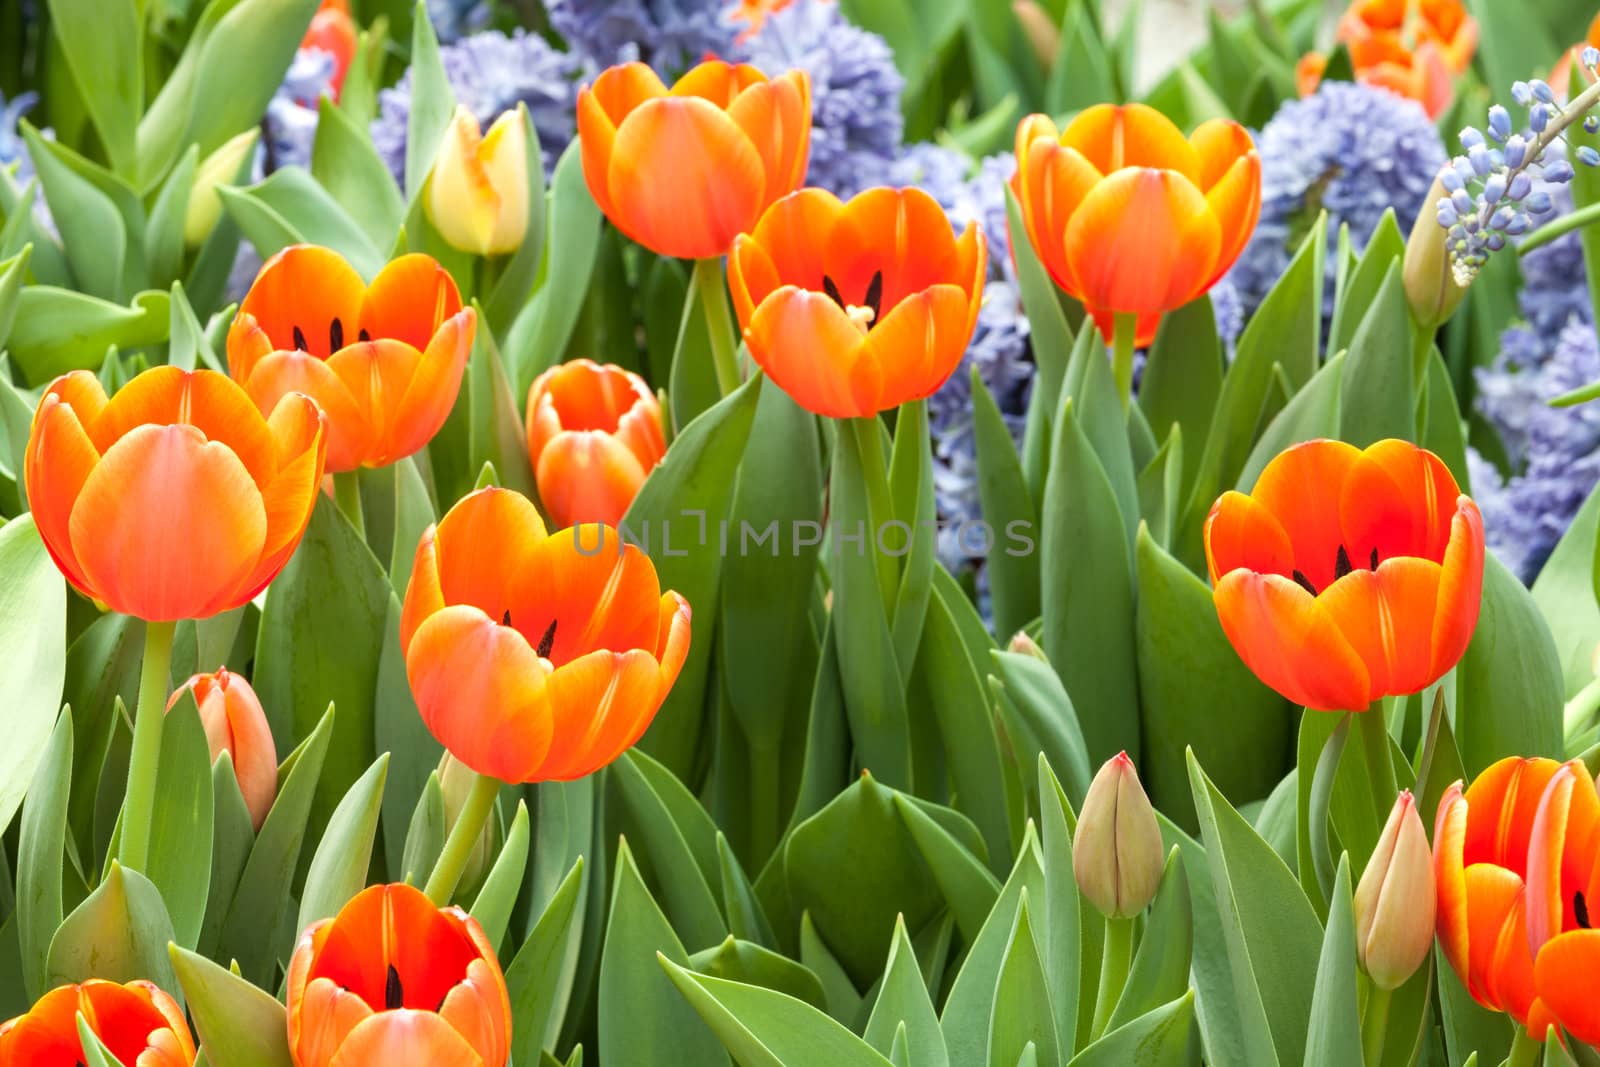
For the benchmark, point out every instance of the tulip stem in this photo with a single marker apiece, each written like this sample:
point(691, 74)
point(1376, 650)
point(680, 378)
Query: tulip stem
point(138, 806)
point(1375, 1025)
point(719, 323)
point(1114, 962)
point(1123, 339)
point(1374, 726)
point(462, 840)
point(1525, 1049)
point(347, 493)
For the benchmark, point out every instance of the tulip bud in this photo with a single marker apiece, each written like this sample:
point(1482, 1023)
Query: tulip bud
point(1040, 30)
point(1116, 853)
point(478, 195)
point(1431, 286)
point(1395, 899)
point(1024, 645)
point(455, 782)
point(219, 168)
point(235, 724)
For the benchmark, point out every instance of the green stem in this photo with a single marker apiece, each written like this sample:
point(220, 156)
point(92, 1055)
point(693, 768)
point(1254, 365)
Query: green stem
point(1374, 727)
point(1375, 1025)
point(1113, 970)
point(347, 493)
point(1124, 334)
point(138, 807)
point(867, 436)
point(1525, 1049)
point(462, 840)
point(1580, 710)
point(719, 322)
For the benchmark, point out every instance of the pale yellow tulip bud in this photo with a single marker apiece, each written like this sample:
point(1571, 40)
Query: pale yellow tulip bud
point(478, 195)
point(1024, 645)
point(1116, 853)
point(1395, 899)
point(219, 168)
point(1431, 287)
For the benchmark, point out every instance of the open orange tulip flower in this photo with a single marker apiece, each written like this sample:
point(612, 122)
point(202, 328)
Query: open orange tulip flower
point(1348, 575)
point(140, 1024)
point(1563, 887)
point(394, 980)
point(536, 656)
point(235, 723)
point(1414, 49)
point(175, 498)
point(683, 171)
point(1129, 216)
point(1480, 853)
point(594, 434)
point(384, 362)
point(854, 308)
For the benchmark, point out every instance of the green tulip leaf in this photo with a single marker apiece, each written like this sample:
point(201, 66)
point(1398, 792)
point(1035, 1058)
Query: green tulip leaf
point(232, 1016)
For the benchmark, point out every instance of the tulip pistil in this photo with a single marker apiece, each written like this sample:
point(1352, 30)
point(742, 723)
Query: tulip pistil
point(1580, 910)
point(1341, 567)
point(393, 994)
point(547, 642)
point(866, 313)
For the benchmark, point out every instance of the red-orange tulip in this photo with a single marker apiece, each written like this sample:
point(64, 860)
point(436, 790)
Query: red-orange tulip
point(1348, 575)
point(1128, 215)
point(394, 980)
point(594, 434)
point(1480, 855)
point(686, 170)
point(334, 32)
point(140, 1024)
point(236, 724)
point(1415, 50)
point(1563, 880)
point(384, 361)
point(854, 308)
point(173, 499)
point(536, 656)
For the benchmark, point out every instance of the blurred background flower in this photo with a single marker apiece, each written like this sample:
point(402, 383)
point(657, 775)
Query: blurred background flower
point(12, 150)
point(454, 19)
point(670, 35)
point(291, 122)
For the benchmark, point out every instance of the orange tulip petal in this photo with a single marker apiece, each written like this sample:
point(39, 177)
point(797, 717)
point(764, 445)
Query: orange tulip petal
point(599, 592)
point(719, 82)
point(350, 434)
point(1301, 487)
point(169, 526)
point(1500, 971)
point(247, 345)
point(60, 458)
point(1547, 855)
point(776, 117)
point(432, 392)
point(326, 1016)
point(918, 345)
point(1449, 872)
point(1503, 801)
point(1387, 615)
point(1398, 499)
point(1290, 643)
point(622, 88)
point(487, 536)
point(406, 1038)
point(424, 595)
point(596, 701)
point(290, 497)
point(408, 301)
point(476, 1010)
point(902, 233)
point(1243, 532)
point(672, 645)
point(587, 476)
point(1564, 975)
point(793, 234)
point(752, 277)
point(1219, 144)
point(1134, 135)
point(1461, 589)
point(1143, 240)
point(306, 288)
point(209, 401)
point(377, 375)
point(481, 691)
point(718, 184)
point(1236, 201)
point(810, 350)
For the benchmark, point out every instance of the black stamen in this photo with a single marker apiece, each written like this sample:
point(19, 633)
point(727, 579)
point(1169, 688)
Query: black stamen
point(505, 620)
point(547, 642)
point(832, 290)
point(1580, 910)
point(393, 997)
point(1305, 582)
point(875, 295)
point(1341, 564)
point(300, 340)
point(1374, 559)
point(363, 336)
point(335, 335)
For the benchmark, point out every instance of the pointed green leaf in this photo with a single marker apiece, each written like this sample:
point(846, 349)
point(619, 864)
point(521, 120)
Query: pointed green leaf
point(233, 1017)
point(1022, 1014)
point(540, 977)
point(339, 866)
point(903, 1012)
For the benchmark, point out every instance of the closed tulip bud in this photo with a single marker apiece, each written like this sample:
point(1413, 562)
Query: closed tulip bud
point(1431, 286)
point(478, 195)
point(1395, 899)
point(235, 723)
point(1116, 853)
point(1024, 645)
point(219, 168)
point(455, 782)
point(1040, 29)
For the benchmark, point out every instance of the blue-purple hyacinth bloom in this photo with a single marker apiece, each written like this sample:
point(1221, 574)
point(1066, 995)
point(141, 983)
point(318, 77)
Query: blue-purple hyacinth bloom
point(291, 121)
point(491, 73)
point(670, 35)
point(455, 19)
point(12, 150)
point(1351, 150)
point(856, 124)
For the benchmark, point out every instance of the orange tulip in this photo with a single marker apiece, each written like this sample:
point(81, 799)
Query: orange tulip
point(140, 1024)
point(1480, 855)
point(1128, 215)
point(334, 31)
point(1414, 50)
point(394, 980)
point(854, 308)
point(1561, 77)
point(384, 362)
point(1563, 878)
point(594, 434)
point(173, 499)
point(235, 723)
point(686, 170)
point(536, 656)
point(1348, 575)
